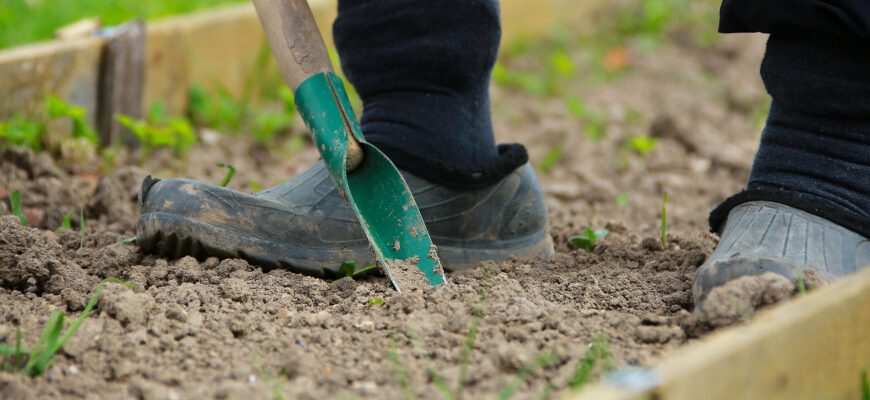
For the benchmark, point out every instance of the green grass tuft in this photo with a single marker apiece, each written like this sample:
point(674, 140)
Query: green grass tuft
point(66, 225)
point(801, 283)
point(231, 171)
point(542, 361)
point(81, 227)
point(552, 158)
point(15, 205)
point(598, 355)
point(35, 361)
point(401, 371)
point(865, 386)
point(664, 233)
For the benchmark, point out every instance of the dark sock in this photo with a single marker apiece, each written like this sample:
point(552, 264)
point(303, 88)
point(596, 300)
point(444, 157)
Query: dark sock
point(815, 148)
point(422, 70)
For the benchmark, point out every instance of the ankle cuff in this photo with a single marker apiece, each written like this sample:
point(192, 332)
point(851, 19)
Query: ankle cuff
point(806, 202)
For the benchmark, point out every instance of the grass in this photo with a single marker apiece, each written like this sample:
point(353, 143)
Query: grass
point(15, 205)
point(623, 200)
point(465, 358)
point(231, 171)
point(158, 130)
point(865, 386)
point(552, 158)
point(26, 21)
point(801, 283)
point(81, 227)
point(35, 361)
point(587, 241)
point(401, 371)
point(66, 225)
point(542, 361)
point(597, 356)
point(664, 224)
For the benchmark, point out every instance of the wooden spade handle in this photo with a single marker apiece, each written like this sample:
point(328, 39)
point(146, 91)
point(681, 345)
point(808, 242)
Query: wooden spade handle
point(299, 49)
point(294, 38)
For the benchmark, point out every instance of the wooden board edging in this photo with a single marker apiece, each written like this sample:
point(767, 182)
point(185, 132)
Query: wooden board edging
point(813, 347)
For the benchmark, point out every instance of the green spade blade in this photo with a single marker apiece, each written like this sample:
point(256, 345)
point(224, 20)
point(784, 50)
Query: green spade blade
point(376, 190)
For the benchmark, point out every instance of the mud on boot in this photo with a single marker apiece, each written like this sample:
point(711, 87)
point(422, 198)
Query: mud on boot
point(763, 237)
point(304, 225)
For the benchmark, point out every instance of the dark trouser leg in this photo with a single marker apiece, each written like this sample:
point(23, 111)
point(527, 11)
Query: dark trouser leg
point(422, 70)
point(815, 149)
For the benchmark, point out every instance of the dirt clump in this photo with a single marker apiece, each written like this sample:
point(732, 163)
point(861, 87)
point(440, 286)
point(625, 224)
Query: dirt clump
point(739, 299)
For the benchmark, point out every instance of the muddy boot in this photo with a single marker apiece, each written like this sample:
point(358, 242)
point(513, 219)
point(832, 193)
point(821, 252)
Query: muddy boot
point(762, 236)
point(304, 225)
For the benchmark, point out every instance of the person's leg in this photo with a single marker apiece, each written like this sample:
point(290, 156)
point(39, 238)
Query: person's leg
point(422, 70)
point(807, 203)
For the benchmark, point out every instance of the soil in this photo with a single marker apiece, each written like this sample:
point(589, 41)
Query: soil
point(191, 329)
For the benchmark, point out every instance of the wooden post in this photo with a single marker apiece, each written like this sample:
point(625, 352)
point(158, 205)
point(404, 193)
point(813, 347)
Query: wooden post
point(122, 82)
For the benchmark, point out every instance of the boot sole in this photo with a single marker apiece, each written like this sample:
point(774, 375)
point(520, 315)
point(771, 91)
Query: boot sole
point(174, 236)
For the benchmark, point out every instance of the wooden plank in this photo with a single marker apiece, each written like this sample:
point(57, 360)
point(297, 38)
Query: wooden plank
point(121, 81)
point(814, 347)
point(219, 45)
point(68, 69)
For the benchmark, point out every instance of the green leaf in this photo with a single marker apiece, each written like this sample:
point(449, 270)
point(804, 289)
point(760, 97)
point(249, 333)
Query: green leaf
point(801, 283)
point(231, 171)
point(598, 354)
point(20, 131)
point(623, 200)
point(664, 224)
point(562, 64)
point(642, 144)
point(588, 239)
point(347, 268)
point(81, 227)
point(376, 301)
point(15, 204)
point(865, 386)
point(66, 225)
point(542, 361)
point(553, 156)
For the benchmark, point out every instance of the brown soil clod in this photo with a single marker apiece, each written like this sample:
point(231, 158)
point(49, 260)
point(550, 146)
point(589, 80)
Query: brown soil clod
point(739, 299)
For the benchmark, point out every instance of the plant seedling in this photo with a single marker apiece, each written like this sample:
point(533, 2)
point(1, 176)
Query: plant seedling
point(157, 132)
point(664, 238)
point(35, 361)
point(865, 386)
point(231, 171)
point(348, 269)
point(623, 200)
point(542, 361)
point(81, 227)
point(129, 240)
point(57, 108)
point(15, 204)
point(553, 156)
point(801, 283)
point(642, 145)
point(20, 131)
point(376, 301)
point(598, 354)
point(66, 225)
point(588, 239)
